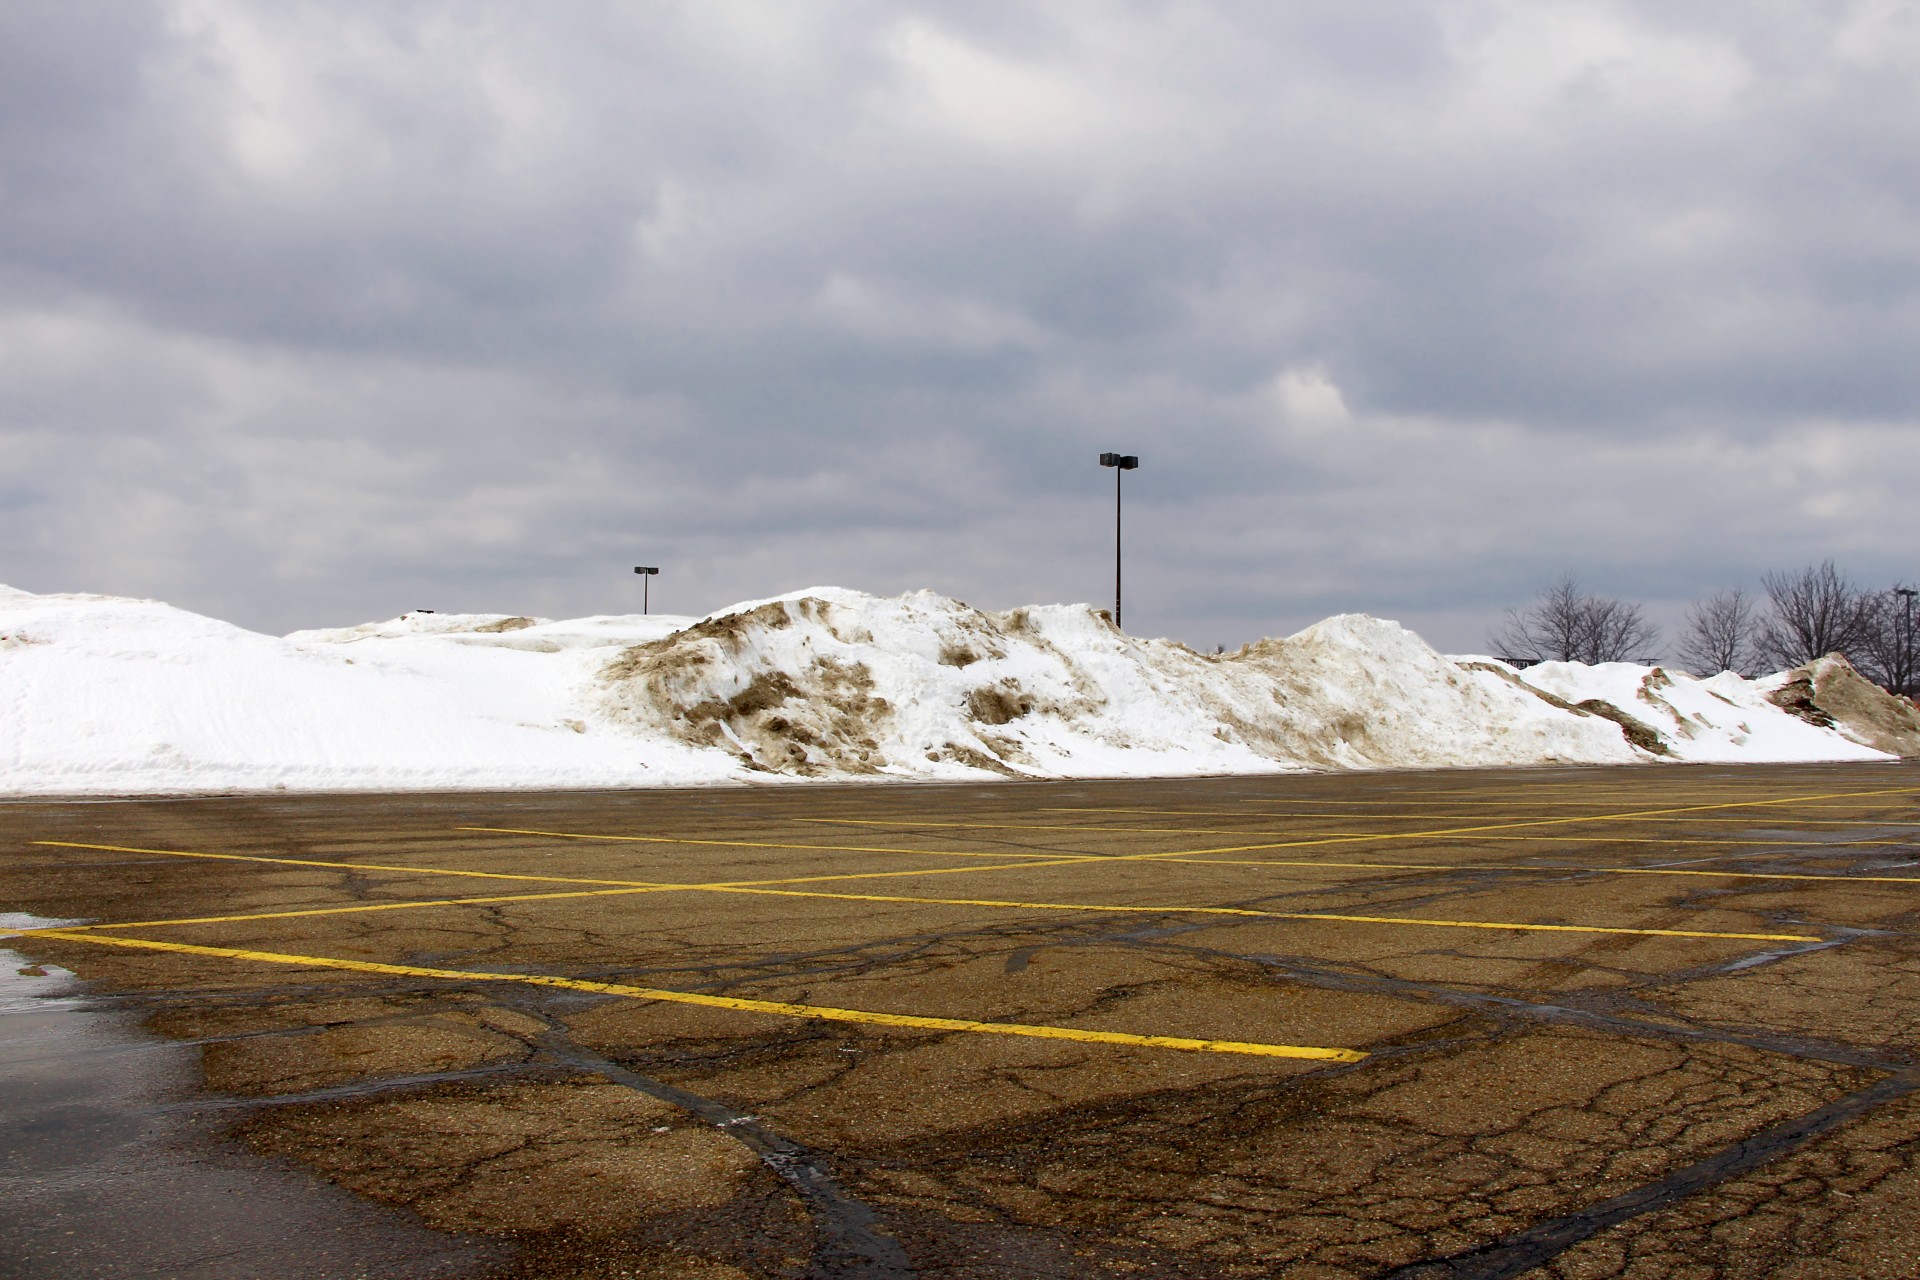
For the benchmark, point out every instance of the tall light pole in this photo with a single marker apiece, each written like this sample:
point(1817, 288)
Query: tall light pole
point(1119, 462)
point(646, 572)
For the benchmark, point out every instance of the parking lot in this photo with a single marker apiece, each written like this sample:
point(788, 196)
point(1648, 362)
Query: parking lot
point(1642, 1022)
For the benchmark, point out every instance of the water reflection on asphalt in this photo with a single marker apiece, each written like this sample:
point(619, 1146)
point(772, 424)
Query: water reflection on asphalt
point(102, 1179)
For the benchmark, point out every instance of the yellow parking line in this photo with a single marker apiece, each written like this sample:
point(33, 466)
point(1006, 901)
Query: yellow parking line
point(776, 1007)
point(346, 866)
point(1528, 796)
point(1506, 826)
point(1372, 807)
point(1316, 841)
point(340, 911)
point(1677, 817)
point(751, 885)
point(1281, 915)
point(750, 844)
point(1049, 861)
point(716, 886)
point(1228, 831)
point(767, 888)
point(1497, 866)
point(1732, 842)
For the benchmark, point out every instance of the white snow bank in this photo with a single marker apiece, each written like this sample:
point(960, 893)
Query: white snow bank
point(1725, 718)
point(109, 695)
point(831, 682)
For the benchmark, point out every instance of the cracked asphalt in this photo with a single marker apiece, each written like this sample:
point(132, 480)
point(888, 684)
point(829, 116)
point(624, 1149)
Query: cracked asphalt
point(1578, 1023)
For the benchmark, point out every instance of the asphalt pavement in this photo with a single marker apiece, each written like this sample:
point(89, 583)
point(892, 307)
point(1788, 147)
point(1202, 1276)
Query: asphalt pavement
point(1653, 1021)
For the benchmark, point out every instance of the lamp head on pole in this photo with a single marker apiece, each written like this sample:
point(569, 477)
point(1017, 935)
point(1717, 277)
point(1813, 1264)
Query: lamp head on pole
point(646, 569)
point(1124, 461)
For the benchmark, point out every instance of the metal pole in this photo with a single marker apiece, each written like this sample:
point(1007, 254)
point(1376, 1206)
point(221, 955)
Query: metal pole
point(646, 583)
point(1117, 473)
point(1119, 462)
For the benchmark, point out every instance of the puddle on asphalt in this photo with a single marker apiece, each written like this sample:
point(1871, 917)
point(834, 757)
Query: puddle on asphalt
point(106, 1175)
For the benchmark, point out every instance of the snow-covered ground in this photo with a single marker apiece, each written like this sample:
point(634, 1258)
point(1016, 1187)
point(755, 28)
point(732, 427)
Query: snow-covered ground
point(104, 695)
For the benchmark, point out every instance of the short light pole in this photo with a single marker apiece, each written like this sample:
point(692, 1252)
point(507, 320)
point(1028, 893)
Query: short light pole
point(1119, 462)
point(646, 572)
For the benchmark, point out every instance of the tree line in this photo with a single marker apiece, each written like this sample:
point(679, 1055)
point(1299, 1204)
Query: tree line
point(1800, 616)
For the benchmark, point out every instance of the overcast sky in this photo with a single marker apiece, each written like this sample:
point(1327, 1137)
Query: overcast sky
point(311, 313)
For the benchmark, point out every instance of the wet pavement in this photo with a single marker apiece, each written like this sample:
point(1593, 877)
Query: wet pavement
point(111, 1167)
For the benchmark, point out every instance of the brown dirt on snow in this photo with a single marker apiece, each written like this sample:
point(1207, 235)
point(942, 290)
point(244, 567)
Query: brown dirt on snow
point(809, 722)
point(1829, 693)
point(998, 704)
point(1637, 732)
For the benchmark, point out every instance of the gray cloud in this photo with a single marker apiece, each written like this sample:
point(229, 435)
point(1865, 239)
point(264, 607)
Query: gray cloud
point(316, 312)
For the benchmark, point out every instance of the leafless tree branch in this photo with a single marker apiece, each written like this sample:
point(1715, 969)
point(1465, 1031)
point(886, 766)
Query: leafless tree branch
point(1816, 611)
point(1567, 625)
point(1718, 635)
point(1887, 651)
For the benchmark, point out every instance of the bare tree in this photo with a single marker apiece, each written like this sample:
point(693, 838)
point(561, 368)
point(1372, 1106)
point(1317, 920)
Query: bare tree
point(1567, 625)
point(1887, 650)
point(1551, 629)
point(1719, 634)
point(1617, 631)
point(1816, 611)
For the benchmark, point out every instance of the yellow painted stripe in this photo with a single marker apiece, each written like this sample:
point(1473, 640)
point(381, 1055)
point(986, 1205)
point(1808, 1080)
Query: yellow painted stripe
point(769, 891)
point(1151, 909)
point(768, 886)
point(1494, 866)
point(910, 872)
point(1722, 841)
point(1185, 858)
point(778, 1008)
point(1646, 815)
point(750, 844)
point(1677, 822)
point(1318, 841)
point(499, 899)
point(1242, 831)
point(1507, 826)
point(628, 884)
point(338, 911)
point(1406, 799)
point(340, 866)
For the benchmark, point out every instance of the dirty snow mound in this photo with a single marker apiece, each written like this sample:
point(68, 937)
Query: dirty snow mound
point(1829, 693)
point(106, 695)
point(830, 682)
point(1670, 713)
point(110, 695)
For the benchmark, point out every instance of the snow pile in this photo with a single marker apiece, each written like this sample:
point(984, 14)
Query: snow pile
point(830, 682)
point(112, 695)
point(1674, 715)
point(108, 695)
point(1829, 694)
